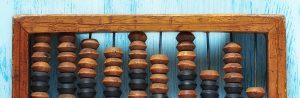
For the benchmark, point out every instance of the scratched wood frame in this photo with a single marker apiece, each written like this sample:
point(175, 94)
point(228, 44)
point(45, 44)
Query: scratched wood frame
point(273, 26)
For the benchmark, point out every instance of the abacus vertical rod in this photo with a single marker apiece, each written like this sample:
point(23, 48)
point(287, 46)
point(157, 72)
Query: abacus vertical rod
point(208, 50)
point(231, 37)
point(160, 42)
point(255, 61)
point(90, 35)
point(114, 39)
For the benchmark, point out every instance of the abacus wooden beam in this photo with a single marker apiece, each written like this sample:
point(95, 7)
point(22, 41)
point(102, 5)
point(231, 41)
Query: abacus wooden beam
point(273, 26)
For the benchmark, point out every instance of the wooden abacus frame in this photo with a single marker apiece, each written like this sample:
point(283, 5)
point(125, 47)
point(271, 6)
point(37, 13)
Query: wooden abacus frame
point(273, 26)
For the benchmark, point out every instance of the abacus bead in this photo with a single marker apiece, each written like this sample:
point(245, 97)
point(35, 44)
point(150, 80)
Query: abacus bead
point(233, 77)
point(86, 83)
point(137, 74)
point(233, 96)
point(66, 47)
point(66, 37)
point(187, 75)
point(137, 45)
point(159, 59)
point(186, 55)
point(42, 37)
point(159, 69)
point(233, 67)
point(187, 85)
point(41, 47)
point(40, 56)
point(137, 36)
point(137, 94)
point(67, 67)
point(39, 86)
point(88, 53)
point(185, 36)
point(112, 81)
point(66, 96)
point(112, 92)
point(137, 64)
point(232, 48)
point(67, 88)
point(159, 95)
point(232, 58)
point(66, 77)
point(138, 54)
point(185, 46)
point(157, 88)
point(138, 84)
point(67, 57)
point(187, 94)
point(209, 94)
point(90, 43)
point(255, 92)
point(39, 95)
point(186, 65)
point(113, 71)
point(87, 73)
point(209, 85)
point(40, 76)
point(113, 62)
point(209, 75)
point(113, 52)
point(40, 66)
point(86, 93)
point(159, 78)
point(87, 63)
point(233, 87)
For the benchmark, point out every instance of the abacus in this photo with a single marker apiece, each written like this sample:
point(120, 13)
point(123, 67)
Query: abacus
point(51, 60)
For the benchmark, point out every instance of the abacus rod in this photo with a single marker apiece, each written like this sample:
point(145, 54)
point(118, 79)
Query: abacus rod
point(231, 37)
point(90, 35)
point(208, 50)
point(160, 42)
point(114, 39)
point(255, 54)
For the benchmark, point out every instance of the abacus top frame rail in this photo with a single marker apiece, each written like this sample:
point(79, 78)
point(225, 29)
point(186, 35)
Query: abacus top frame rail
point(272, 25)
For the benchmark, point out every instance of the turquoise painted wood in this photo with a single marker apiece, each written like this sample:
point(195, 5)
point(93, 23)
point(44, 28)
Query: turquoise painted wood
point(290, 9)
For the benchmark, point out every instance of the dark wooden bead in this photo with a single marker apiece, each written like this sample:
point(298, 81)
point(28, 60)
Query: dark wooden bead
point(40, 56)
point(137, 94)
point(159, 78)
point(185, 36)
point(66, 77)
point(209, 75)
point(67, 67)
point(138, 54)
point(232, 47)
point(209, 85)
point(186, 55)
point(138, 84)
point(112, 81)
point(159, 96)
point(41, 47)
point(87, 83)
point(137, 74)
point(39, 86)
point(112, 92)
point(42, 37)
point(233, 68)
point(88, 53)
point(209, 94)
point(255, 92)
point(66, 96)
point(113, 52)
point(90, 43)
point(66, 47)
point(157, 88)
point(233, 77)
point(233, 88)
point(137, 45)
point(66, 37)
point(187, 85)
point(67, 57)
point(39, 95)
point(86, 93)
point(113, 71)
point(40, 76)
point(234, 96)
point(87, 63)
point(159, 59)
point(137, 36)
point(113, 62)
point(185, 46)
point(137, 64)
point(68, 88)
point(232, 58)
point(87, 73)
point(41, 67)
point(159, 69)
point(186, 75)
point(187, 94)
point(186, 65)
